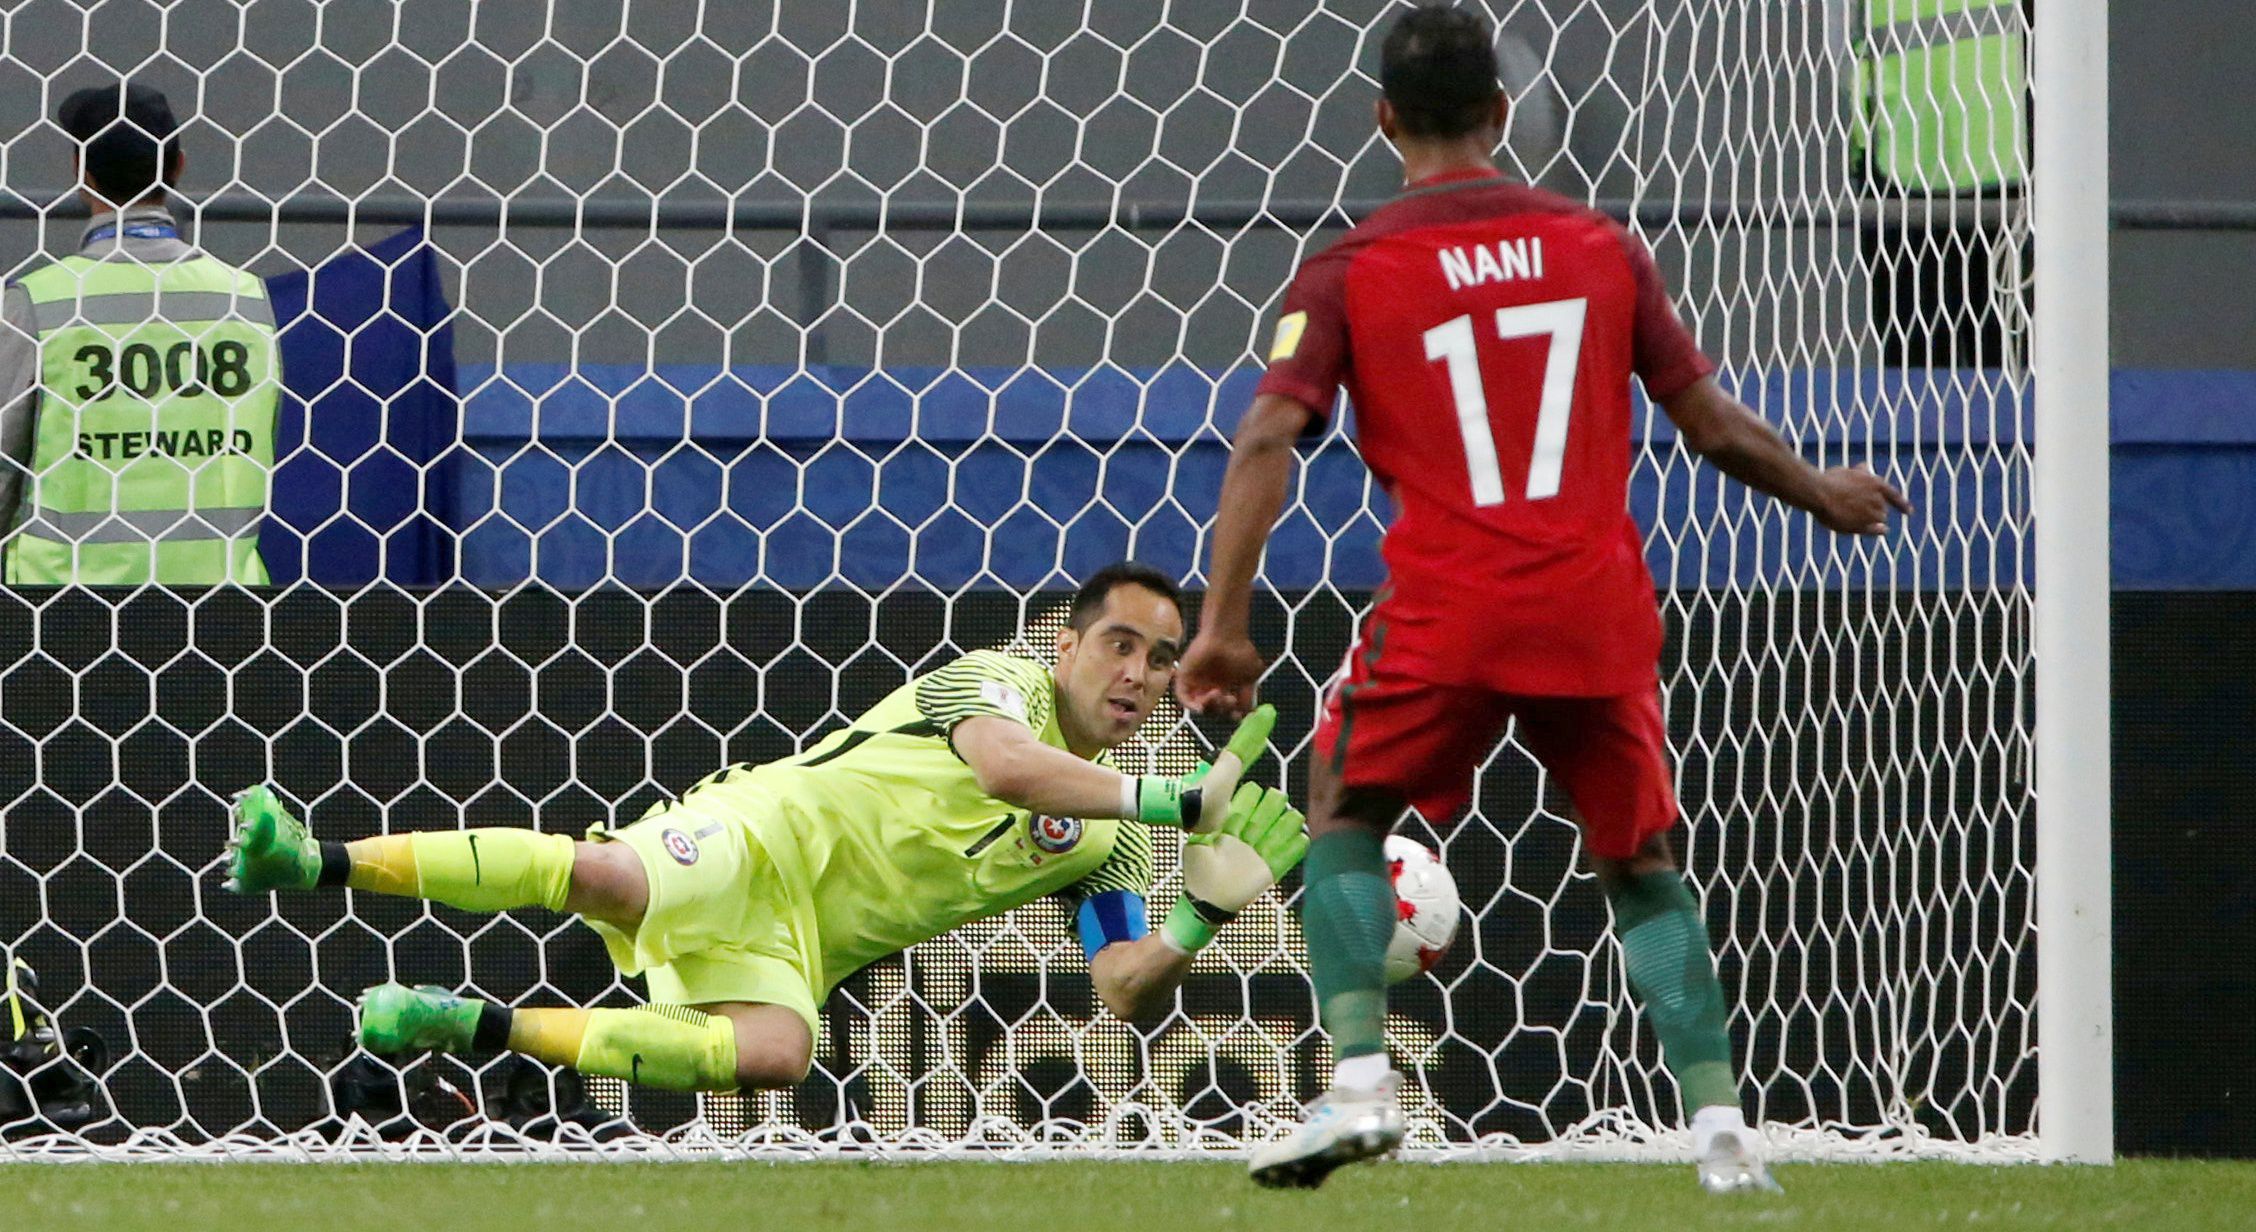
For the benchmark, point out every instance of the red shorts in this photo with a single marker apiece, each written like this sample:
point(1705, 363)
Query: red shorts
point(1423, 741)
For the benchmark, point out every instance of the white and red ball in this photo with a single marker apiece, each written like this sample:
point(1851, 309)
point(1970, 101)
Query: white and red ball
point(1426, 909)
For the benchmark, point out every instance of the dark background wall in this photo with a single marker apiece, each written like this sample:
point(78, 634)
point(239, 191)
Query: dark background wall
point(2185, 872)
point(381, 709)
point(2182, 107)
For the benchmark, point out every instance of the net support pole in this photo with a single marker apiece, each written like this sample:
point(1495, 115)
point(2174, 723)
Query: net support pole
point(2069, 364)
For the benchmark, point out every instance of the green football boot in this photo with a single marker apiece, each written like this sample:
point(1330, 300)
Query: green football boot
point(267, 849)
point(395, 1018)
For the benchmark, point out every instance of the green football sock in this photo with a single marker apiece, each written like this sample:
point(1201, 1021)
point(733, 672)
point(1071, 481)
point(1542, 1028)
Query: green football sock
point(477, 870)
point(1664, 944)
point(668, 1046)
point(1348, 916)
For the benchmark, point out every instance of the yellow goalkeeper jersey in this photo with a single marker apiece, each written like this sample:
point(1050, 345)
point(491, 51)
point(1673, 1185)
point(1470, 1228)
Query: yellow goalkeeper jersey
point(882, 837)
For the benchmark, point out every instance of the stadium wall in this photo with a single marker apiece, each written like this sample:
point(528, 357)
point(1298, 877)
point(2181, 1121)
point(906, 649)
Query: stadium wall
point(2184, 762)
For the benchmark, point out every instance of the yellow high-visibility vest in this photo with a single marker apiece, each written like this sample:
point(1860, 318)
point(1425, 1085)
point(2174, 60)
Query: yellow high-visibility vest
point(1943, 87)
point(154, 444)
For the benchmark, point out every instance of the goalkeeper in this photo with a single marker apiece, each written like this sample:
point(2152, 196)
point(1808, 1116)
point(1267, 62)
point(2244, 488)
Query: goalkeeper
point(966, 792)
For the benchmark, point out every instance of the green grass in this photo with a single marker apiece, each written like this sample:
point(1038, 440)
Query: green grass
point(1089, 1197)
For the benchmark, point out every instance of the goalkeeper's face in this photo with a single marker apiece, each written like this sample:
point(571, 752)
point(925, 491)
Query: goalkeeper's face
point(1113, 671)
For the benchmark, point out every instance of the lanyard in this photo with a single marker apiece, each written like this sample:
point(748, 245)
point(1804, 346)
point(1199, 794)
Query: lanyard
point(134, 231)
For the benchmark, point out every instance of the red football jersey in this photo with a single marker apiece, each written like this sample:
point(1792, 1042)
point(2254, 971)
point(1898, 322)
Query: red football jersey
point(1486, 332)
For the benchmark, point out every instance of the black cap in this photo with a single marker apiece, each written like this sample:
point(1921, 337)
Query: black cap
point(127, 134)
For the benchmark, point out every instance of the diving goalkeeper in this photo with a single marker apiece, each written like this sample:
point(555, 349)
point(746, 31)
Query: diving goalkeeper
point(966, 792)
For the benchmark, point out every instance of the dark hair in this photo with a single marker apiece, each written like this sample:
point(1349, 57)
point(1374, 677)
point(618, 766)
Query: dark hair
point(1438, 68)
point(126, 135)
point(1090, 598)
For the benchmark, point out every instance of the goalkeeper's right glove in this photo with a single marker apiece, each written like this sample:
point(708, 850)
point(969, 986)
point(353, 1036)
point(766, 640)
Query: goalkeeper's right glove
point(1257, 844)
point(1166, 801)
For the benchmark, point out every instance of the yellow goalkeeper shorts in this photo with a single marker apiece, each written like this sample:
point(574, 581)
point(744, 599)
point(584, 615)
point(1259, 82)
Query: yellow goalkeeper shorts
point(720, 926)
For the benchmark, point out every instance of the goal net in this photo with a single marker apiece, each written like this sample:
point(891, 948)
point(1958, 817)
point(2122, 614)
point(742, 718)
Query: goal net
point(782, 350)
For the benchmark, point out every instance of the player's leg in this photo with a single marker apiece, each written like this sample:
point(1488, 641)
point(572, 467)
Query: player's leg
point(719, 1020)
point(491, 869)
point(1381, 746)
point(687, 899)
point(1665, 950)
point(1347, 916)
point(1611, 755)
point(726, 1046)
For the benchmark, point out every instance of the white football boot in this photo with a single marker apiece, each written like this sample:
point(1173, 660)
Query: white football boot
point(1343, 1125)
point(1729, 1154)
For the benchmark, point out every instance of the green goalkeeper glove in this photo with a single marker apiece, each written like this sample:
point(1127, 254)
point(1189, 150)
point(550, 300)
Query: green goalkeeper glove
point(1258, 842)
point(1165, 801)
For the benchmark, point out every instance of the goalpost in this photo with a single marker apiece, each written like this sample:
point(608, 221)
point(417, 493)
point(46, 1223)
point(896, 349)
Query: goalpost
point(803, 346)
point(2075, 1050)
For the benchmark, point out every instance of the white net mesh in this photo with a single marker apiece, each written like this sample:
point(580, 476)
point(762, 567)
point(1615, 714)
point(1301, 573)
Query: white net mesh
point(797, 347)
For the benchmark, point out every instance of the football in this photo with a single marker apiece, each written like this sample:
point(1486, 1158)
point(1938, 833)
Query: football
point(1426, 908)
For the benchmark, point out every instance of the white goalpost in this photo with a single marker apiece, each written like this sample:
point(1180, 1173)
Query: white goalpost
point(674, 379)
point(2075, 1008)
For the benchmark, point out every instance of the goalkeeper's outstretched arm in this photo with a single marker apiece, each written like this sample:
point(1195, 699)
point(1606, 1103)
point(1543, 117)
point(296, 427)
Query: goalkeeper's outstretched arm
point(1137, 979)
point(1018, 769)
point(1260, 840)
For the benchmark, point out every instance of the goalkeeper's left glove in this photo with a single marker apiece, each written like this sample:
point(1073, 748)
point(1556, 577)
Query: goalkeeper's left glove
point(1257, 843)
point(1196, 801)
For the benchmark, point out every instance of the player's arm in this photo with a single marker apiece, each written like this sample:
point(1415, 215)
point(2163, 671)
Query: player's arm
point(1848, 499)
point(1136, 972)
point(1220, 670)
point(1015, 767)
point(989, 707)
point(1720, 428)
point(1136, 979)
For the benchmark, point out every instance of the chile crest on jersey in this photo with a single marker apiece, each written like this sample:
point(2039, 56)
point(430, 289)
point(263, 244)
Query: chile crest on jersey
point(1055, 835)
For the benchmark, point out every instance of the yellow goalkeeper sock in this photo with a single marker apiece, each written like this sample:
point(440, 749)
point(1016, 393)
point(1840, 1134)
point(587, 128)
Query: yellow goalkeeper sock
point(477, 870)
point(669, 1046)
point(553, 1036)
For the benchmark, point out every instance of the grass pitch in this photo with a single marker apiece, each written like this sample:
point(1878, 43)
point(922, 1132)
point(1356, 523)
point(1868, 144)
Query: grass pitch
point(1092, 1197)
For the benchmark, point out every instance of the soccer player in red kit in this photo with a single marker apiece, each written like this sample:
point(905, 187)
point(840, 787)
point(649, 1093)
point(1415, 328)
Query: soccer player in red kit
point(1486, 332)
